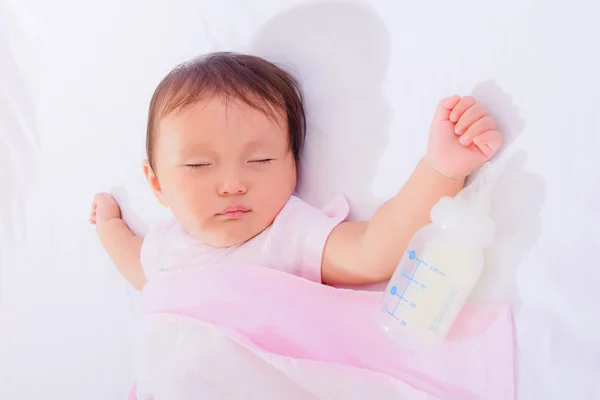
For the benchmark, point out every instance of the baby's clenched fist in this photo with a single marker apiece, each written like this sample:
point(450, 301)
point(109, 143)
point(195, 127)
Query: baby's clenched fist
point(104, 208)
point(462, 138)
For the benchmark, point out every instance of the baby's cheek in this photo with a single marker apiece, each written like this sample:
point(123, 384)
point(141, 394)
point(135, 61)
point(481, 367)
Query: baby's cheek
point(193, 192)
point(196, 208)
point(186, 203)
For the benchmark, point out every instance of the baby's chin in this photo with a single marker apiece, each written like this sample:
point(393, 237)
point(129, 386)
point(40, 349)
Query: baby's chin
point(224, 237)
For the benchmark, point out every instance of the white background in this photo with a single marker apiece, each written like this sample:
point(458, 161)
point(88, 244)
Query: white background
point(75, 81)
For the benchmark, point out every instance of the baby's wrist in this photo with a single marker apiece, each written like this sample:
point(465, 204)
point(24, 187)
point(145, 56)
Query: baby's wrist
point(435, 167)
point(107, 224)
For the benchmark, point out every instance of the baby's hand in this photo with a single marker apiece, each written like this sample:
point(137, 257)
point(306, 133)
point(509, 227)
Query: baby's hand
point(462, 138)
point(104, 207)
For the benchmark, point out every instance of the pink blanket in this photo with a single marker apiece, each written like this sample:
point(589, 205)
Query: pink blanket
point(211, 330)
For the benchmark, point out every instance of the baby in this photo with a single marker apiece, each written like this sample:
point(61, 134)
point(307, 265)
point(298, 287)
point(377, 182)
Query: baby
point(224, 140)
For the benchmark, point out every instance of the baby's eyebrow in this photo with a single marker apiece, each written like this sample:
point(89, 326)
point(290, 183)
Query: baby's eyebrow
point(198, 149)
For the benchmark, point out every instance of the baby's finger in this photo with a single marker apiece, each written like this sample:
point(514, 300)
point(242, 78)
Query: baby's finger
point(445, 106)
point(474, 113)
point(463, 105)
point(482, 125)
point(489, 143)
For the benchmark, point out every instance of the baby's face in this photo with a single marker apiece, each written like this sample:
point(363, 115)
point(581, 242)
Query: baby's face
point(224, 171)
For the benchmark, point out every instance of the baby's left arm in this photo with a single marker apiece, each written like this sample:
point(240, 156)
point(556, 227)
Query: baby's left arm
point(462, 138)
point(121, 244)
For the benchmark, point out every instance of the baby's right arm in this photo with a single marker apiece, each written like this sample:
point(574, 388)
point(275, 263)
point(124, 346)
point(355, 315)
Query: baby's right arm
point(121, 244)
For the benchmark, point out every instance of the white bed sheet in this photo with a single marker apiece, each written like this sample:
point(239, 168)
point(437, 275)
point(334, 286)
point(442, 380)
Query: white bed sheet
point(75, 80)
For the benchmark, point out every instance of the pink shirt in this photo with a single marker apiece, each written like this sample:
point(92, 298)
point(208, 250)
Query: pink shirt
point(294, 243)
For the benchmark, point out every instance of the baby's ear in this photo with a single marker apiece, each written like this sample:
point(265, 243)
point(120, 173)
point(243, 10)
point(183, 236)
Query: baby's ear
point(154, 184)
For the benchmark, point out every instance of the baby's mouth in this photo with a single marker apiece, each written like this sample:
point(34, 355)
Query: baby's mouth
point(234, 211)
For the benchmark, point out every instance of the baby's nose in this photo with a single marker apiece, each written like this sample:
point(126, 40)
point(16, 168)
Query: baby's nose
point(231, 187)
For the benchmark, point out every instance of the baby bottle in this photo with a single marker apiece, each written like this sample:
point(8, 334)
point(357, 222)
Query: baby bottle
point(440, 267)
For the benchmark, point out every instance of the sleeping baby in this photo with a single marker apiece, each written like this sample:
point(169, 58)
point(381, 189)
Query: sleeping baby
point(224, 142)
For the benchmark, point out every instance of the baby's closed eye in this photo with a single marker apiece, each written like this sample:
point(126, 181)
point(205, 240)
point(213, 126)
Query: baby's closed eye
point(199, 165)
point(261, 161)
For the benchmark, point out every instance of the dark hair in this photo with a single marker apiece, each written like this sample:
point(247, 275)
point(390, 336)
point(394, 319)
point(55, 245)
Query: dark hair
point(253, 80)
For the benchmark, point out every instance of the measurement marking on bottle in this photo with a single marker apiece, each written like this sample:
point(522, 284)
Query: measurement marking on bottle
point(409, 278)
point(437, 271)
point(412, 255)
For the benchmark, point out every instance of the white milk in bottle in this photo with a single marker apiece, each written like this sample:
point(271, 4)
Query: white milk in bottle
point(442, 264)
